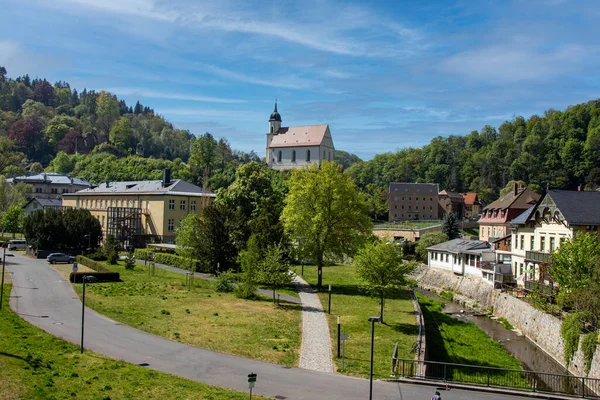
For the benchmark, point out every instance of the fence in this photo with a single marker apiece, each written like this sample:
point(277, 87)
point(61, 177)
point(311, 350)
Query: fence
point(498, 377)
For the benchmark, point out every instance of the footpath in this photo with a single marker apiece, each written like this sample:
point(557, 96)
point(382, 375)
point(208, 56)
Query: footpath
point(42, 297)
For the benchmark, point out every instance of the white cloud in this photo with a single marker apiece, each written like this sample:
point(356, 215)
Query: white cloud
point(503, 63)
point(288, 82)
point(139, 8)
point(143, 92)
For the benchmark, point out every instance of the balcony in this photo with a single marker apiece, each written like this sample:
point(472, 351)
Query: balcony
point(538, 257)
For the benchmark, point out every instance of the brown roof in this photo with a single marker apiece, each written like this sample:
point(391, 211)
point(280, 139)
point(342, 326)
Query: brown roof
point(311, 135)
point(470, 198)
point(524, 199)
point(452, 195)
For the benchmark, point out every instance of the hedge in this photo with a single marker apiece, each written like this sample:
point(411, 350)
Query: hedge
point(77, 277)
point(172, 260)
point(95, 265)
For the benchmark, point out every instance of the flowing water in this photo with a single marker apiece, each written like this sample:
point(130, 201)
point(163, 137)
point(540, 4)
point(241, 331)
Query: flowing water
point(531, 356)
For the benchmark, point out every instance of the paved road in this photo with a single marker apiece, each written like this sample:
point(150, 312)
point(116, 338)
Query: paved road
point(42, 297)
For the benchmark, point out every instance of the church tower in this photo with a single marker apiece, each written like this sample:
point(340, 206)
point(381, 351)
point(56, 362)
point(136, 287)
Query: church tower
point(274, 120)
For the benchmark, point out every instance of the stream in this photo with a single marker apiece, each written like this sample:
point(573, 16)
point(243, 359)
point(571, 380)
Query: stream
point(531, 356)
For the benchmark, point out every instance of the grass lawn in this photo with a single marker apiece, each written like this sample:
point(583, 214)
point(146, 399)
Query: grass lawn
point(36, 365)
point(355, 307)
point(454, 341)
point(406, 224)
point(201, 317)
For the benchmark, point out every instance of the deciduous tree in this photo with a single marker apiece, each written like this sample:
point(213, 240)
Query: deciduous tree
point(325, 214)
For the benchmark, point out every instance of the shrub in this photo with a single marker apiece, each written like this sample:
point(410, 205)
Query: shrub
point(171, 260)
point(588, 346)
point(95, 265)
point(130, 261)
point(505, 323)
point(97, 256)
point(570, 330)
point(225, 282)
point(104, 276)
point(245, 290)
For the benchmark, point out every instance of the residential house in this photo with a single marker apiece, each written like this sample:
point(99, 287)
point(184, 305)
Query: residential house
point(471, 205)
point(137, 212)
point(50, 185)
point(459, 256)
point(496, 217)
point(537, 232)
point(451, 203)
point(295, 147)
point(413, 201)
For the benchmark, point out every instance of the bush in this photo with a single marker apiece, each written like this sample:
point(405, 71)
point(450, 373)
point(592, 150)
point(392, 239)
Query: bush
point(95, 265)
point(130, 261)
point(97, 256)
point(225, 282)
point(245, 290)
point(77, 277)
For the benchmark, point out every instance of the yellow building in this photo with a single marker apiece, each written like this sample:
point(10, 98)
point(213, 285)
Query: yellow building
point(137, 212)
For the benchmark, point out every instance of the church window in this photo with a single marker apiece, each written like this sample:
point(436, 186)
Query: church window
point(293, 155)
point(307, 155)
point(279, 156)
point(271, 128)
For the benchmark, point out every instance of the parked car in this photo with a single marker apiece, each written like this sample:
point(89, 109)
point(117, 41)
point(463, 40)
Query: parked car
point(17, 244)
point(60, 257)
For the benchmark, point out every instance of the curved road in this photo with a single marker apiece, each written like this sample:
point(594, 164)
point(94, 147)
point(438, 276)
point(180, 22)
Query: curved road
point(42, 297)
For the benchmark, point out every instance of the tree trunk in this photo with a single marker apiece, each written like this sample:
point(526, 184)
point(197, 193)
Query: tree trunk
point(319, 271)
point(381, 312)
point(273, 294)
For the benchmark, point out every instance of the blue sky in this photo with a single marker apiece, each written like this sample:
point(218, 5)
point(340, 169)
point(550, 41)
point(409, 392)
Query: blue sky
point(383, 74)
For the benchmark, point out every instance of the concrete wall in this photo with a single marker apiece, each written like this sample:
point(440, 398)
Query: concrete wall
point(541, 328)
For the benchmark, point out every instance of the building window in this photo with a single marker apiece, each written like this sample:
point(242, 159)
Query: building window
point(403, 198)
point(279, 156)
point(552, 244)
point(521, 269)
point(293, 155)
point(488, 231)
point(423, 209)
point(395, 198)
point(96, 206)
point(171, 225)
point(54, 191)
point(531, 242)
point(65, 190)
point(307, 155)
point(193, 205)
point(171, 204)
point(522, 242)
point(38, 190)
point(543, 243)
point(182, 205)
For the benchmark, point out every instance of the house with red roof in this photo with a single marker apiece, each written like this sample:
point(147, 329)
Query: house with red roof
point(295, 147)
point(496, 217)
point(472, 206)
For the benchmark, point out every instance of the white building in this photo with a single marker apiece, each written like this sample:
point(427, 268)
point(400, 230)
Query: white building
point(459, 256)
point(297, 146)
point(42, 204)
point(50, 185)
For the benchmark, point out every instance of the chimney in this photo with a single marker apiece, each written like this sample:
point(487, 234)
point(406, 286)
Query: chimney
point(107, 184)
point(166, 181)
point(515, 189)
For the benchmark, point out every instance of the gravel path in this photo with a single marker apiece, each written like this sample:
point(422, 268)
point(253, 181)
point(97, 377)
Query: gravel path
point(315, 353)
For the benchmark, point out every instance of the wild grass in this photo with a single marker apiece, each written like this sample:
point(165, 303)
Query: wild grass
point(355, 306)
point(36, 365)
point(163, 305)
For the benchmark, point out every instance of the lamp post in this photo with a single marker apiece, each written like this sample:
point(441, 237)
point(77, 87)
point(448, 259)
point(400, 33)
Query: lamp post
point(338, 336)
point(2, 287)
point(85, 279)
point(372, 320)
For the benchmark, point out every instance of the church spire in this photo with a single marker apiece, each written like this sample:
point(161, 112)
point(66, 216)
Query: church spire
point(275, 105)
point(274, 120)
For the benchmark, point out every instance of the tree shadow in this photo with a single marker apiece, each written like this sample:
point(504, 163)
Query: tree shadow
point(406, 329)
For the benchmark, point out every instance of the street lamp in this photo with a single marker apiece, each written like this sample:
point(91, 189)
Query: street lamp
point(90, 279)
point(372, 320)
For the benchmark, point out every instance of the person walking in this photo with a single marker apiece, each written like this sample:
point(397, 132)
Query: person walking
point(436, 396)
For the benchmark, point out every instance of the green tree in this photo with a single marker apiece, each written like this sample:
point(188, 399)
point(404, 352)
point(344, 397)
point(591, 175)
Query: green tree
point(381, 267)
point(36, 168)
point(111, 249)
point(427, 240)
point(107, 110)
point(188, 238)
point(576, 268)
point(274, 270)
point(12, 220)
point(450, 226)
point(202, 158)
point(325, 213)
point(376, 201)
point(216, 246)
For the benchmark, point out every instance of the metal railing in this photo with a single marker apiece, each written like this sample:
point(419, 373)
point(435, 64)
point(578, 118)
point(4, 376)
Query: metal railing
point(498, 377)
point(538, 256)
point(417, 346)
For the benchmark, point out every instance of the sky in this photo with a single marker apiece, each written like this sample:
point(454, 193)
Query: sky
point(384, 75)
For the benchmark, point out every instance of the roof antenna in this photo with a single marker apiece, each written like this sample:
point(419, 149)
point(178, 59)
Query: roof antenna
point(275, 104)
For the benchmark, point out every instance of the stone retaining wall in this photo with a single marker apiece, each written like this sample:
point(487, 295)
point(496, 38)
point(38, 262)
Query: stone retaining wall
point(541, 328)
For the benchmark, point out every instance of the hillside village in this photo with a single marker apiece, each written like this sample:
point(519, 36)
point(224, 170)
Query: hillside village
point(330, 200)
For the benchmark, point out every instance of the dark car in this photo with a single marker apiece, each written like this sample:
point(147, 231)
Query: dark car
point(60, 258)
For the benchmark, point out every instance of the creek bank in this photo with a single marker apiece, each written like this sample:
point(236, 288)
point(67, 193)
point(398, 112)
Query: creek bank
point(540, 328)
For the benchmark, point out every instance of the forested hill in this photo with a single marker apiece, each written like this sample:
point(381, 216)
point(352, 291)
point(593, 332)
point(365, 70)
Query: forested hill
point(561, 148)
point(39, 124)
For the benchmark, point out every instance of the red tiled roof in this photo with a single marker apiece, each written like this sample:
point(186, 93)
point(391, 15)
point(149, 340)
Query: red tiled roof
point(311, 135)
point(470, 198)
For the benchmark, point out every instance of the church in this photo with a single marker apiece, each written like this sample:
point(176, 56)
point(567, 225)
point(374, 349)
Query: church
point(295, 147)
